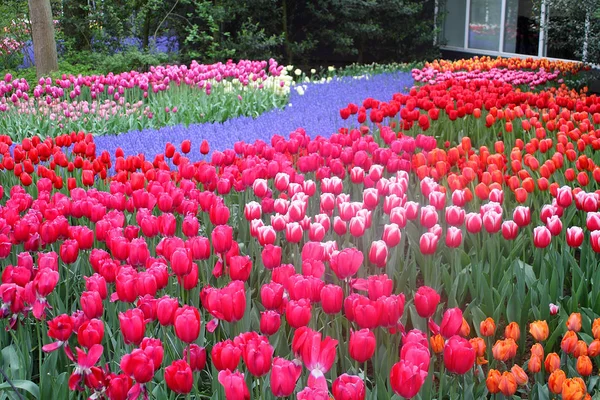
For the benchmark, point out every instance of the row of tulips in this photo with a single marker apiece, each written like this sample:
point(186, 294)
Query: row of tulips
point(161, 274)
point(165, 95)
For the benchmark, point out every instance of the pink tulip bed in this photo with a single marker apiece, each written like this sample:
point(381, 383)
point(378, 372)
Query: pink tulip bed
point(442, 243)
point(165, 95)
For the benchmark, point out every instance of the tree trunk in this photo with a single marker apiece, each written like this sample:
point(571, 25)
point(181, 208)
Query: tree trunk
point(286, 37)
point(44, 43)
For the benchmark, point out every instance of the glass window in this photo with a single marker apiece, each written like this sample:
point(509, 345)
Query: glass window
point(521, 31)
point(484, 24)
point(454, 23)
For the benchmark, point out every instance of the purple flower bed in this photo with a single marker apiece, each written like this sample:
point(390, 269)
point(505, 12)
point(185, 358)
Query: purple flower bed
point(317, 111)
point(163, 44)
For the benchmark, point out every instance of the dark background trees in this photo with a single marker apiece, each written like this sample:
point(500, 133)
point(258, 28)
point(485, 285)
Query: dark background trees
point(123, 34)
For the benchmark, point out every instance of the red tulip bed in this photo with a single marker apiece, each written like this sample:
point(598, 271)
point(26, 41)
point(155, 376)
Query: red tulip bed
point(443, 244)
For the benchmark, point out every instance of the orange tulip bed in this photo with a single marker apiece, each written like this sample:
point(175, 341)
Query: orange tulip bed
point(443, 243)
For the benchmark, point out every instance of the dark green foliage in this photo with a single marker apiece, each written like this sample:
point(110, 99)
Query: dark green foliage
point(327, 32)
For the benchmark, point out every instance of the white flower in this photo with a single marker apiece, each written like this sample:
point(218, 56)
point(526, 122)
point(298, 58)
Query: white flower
point(298, 72)
point(289, 67)
point(313, 71)
point(331, 68)
point(300, 90)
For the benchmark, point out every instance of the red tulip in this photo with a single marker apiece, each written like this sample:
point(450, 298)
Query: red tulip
point(348, 387)
point(574, 236)
point(138, 365)
point(346, 263)
point(378, 253)
point(406, 379)
point(69, 251)
point(133, 326)
point(417, 354)
point(271, 256)
point(204, 147)
point(391, 235)
point(179, 377)
point(564, 196)
point(331, 299)
point(60, 327)
point(197, 356)
point(240, 268)
point(522, 216)
point(426, 301)
point(428, 243)
point(270, 321)
point(455, 216)
point(258, 354)
point(284, 375)
point(91, 304)
point(459, 355)
point(190, 226)
point(187, 323)
point(227, 304)
point(453, 237)
point(222, 237)
point(90, 333)
point(293, 232)
point(225, 355)
point(234, 385)
point(362, 345)
point(492, 221)
point(473, 222)
point(119, 386)
point(298, 313)
point(271, 295)
point(317, 354)
point(541, 237)
point(181, 261)
point(96, 283)
point(166, 308)
point(554, 225)
point(510, 230)
point(199, 247)
point(429, 216)
point(595, 241)
point(451, 322)
point(154, 350)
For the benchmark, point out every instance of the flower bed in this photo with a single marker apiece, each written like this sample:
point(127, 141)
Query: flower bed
point(119, 103)
point(442, 243)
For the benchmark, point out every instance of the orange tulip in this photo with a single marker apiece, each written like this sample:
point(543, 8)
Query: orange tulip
point(487, 327)
point(539, 330)
point(594, 348)
point(512, 331)
point(568, 342)
point(508, 384)
point(596, 329)
point(535, 364)
point(555, 381)
point(584, 365)
point(465, 329)
point(520, 375)
point(552, 362)
point(479, 346)
point(537, 350)
point(493, 381)
point(504, 350)
point(574, 322)
point(437, 343)
point(573, 389)
point(581, 349)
